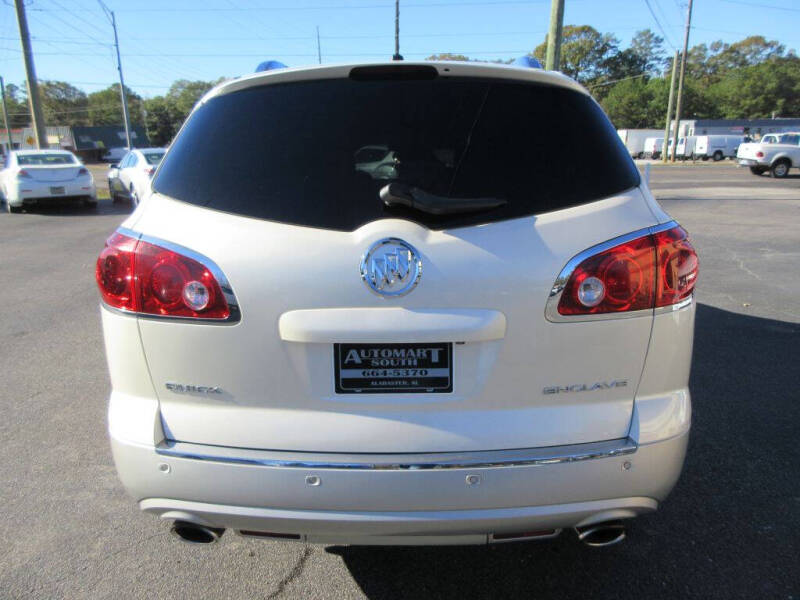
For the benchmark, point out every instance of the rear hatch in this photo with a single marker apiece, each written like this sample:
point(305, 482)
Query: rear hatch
point(289, 215)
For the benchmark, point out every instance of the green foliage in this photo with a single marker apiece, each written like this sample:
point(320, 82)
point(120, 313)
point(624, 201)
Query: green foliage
point(447, 56)
point(166, 114)
point(62, 103)
point(105, 107)
point(758, 91)
point(584, 52)
point(17, 104)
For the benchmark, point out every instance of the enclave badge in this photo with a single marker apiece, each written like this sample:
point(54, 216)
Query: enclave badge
point(391, 267)
point(181, 388)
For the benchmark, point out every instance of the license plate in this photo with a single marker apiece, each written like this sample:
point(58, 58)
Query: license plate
point(393, 368)
point(57, 191)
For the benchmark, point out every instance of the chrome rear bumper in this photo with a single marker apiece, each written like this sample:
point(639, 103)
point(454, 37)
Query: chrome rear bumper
point(440, 498)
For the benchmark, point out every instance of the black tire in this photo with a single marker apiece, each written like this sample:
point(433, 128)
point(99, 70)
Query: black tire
point(90, 204)
point(718, 156)
point(13, 209)
point(757, 170)
point(780, 168)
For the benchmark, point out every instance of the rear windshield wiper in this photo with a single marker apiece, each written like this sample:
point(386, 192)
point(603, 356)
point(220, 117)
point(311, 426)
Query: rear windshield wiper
point(400, 194)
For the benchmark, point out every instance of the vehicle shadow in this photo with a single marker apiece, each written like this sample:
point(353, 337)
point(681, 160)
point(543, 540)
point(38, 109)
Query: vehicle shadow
point(728, 530)
point(77, 209)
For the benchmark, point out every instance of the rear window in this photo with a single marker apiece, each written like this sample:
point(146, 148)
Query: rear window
point(153, 158)
point(318, 153)
point(45, 159)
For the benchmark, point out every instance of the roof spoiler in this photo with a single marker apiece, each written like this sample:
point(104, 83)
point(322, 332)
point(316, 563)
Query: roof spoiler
point(527, 62)
point(270, 65)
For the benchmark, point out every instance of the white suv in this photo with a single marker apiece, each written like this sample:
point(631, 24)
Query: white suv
point(483, 343)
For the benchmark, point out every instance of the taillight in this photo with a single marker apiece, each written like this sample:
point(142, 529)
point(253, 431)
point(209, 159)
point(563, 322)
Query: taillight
point(645, 272)
point(83, 171)
point(145, 278)
point(149, 170)
point(23, 174)
point(759, 154)
point(677, 266)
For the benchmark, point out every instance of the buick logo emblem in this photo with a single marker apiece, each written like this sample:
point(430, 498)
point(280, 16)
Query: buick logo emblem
point(391, 267)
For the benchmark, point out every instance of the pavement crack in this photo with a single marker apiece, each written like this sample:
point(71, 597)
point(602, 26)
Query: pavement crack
point(293, 574)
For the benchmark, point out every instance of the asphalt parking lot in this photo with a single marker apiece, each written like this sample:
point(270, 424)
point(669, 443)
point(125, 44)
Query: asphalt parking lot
point(729, 530)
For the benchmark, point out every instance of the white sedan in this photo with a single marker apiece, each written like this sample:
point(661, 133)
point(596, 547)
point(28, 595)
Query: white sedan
point(31, 176)
point(130, 178)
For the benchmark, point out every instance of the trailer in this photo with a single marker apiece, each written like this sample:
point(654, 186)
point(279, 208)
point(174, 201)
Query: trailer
point(634, 139)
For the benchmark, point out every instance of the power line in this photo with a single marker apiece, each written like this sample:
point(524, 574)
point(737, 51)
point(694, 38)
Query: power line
point(321, 7)
point(592, 86)
point(655, 18)
point(772, 6)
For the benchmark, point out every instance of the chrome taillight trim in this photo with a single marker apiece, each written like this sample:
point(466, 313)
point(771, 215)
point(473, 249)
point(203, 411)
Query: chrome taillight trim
point(227, 291)
point(551, 309)
point(401, 462)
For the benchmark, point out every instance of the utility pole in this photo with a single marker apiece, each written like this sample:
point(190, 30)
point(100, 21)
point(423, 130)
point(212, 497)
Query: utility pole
point(664, 157)
point(554, 35)
point(30, 73)
point(125, 117)
point(397, 55)
point(680, 80)
point(6, 122)
point(319, 48)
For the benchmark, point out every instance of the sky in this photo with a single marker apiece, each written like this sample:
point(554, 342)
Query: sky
point(165, 40)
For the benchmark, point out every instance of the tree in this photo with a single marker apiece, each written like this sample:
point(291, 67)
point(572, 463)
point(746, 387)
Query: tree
point(184, 94)
point(584, 52)
point(627, 103)
point(162, 122)
point(648, 48)
point(17, 102)
point(448, 56)
point(105, 107)
point(63, 104)
point(758, 91)
point(166, 114)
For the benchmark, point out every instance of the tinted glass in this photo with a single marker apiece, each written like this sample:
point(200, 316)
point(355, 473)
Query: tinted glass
point(153, 158)
point(45, 159)
point(308, 153)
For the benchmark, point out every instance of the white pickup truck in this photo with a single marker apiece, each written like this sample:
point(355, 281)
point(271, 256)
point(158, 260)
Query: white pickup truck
point(774, 153)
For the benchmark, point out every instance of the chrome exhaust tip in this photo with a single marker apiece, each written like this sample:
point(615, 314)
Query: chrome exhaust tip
point(192, 533)
point(600, 535)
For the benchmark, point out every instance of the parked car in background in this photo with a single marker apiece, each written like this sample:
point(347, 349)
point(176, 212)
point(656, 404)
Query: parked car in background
point(653, 147)
point(716, 147)
point(114, 155)
point(299, 350)
point(130, 179)
point(33, 176)
point(770, 138)
point(634, 140)
point(776, 157)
